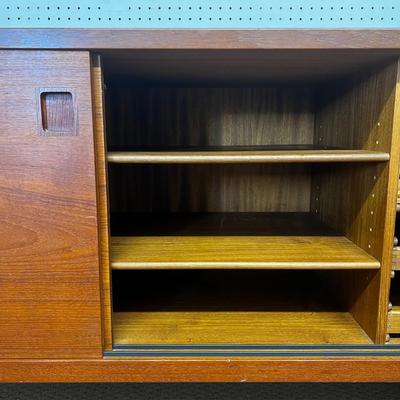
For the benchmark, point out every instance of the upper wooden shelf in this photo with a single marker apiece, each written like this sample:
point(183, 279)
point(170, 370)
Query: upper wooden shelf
point(286, 241)
point(229, 252)
point(274, 154)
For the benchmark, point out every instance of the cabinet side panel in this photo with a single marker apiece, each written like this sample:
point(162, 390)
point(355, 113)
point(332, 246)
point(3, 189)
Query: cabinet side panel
point(360, 201)
point(49, 267)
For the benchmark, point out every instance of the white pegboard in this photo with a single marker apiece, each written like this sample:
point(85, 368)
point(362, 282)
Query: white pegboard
point(201, 14)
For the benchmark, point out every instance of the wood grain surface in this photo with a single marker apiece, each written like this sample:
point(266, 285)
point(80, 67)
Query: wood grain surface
point(157, 117)
point(394, 320)
point(197, 369)
point(210, 188)
point(204, 116)
point(229, 306)
point(102, 196)
point(49, 267)
point(275, 252)
point(396, 259)
point(352, 39)
point(360, 201)
point(240, 327)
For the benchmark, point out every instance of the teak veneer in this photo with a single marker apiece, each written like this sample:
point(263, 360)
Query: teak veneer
point(276, 252)
point(240, 327)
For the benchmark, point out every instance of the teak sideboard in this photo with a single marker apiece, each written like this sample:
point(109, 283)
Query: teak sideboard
point(211, 205)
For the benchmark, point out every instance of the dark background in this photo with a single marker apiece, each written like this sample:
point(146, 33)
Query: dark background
point(197, 391)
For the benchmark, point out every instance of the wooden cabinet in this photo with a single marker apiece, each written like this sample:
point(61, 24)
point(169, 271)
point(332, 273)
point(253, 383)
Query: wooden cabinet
point(174, 211)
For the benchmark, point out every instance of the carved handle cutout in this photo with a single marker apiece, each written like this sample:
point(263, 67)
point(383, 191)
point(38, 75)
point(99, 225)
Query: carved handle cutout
point(57, 112)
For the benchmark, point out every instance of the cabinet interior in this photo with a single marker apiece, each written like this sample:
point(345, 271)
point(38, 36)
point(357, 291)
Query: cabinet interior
point(247, 207)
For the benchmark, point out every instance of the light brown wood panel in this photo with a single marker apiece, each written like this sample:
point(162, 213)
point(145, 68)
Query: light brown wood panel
point(204, 188)
point(350, 198)
point(267, 252)
point(102, 197)
point(49, 266)
point(398, 196)
point(206, 369)
point(360, 201)
point(209, 116)
point(396, 259)
point(357, 112)
point(226, 157)
point(268, 327)
point(394, 320)
point(376, 41)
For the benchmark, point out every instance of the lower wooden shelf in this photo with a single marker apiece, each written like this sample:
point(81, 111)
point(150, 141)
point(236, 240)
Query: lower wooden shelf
point(196, 327)
point(394, 320)
point(276, 241)
point(230, 307)
point(393, 323)
point(396, 258)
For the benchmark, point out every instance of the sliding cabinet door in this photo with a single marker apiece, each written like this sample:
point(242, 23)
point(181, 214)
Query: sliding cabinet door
point(49, 268)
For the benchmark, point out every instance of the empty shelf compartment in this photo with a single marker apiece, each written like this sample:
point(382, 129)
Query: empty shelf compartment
point(228, 307)
point(232, 240)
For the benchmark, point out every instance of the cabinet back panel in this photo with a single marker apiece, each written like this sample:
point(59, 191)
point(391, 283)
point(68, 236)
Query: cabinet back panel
point(205, 188)
point(209, 116)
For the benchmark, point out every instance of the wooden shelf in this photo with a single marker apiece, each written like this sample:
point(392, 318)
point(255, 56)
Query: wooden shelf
point(225, 307)
point(197, 327)
point(394, 320)
point(273, 154)
point(276, 241)
point(396, 258)
point(275, 252)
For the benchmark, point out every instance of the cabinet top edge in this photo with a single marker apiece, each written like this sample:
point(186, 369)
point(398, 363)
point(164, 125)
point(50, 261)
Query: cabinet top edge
point(382, 40)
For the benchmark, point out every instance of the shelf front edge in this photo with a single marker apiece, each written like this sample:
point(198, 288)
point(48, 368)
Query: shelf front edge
point(198, 157)
point(115, 265)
